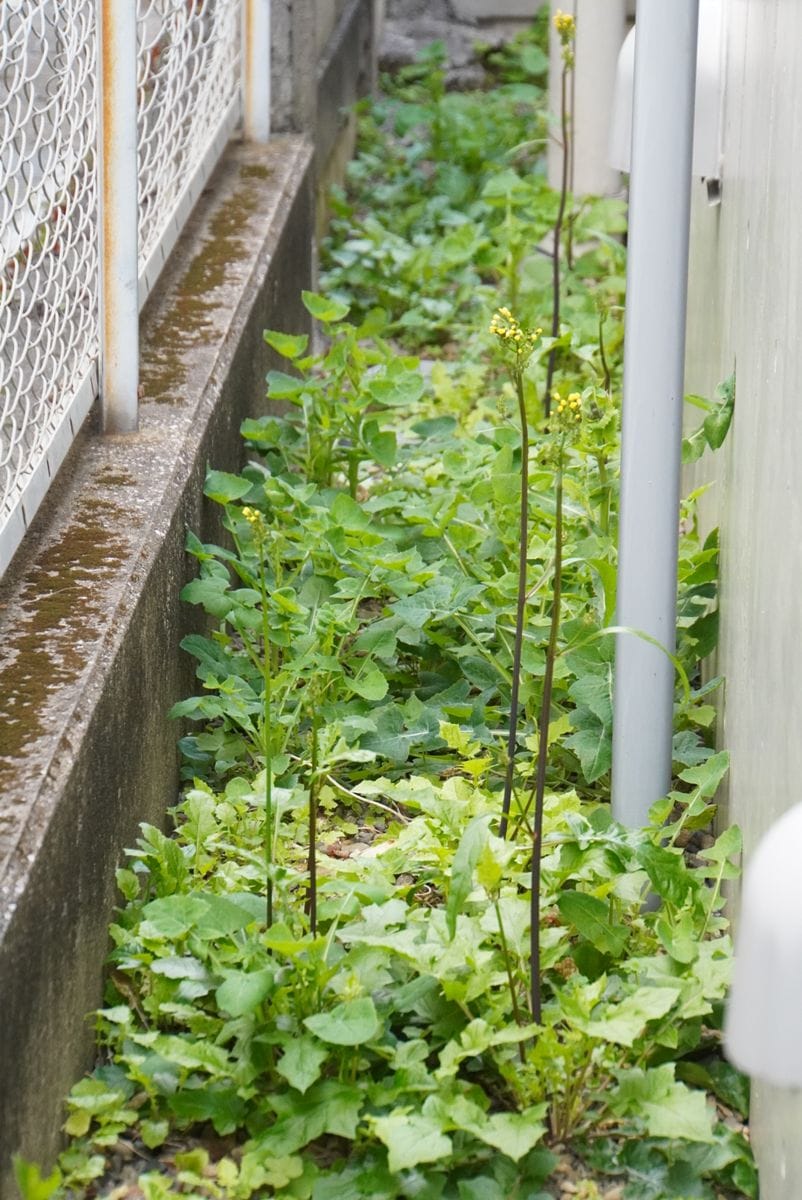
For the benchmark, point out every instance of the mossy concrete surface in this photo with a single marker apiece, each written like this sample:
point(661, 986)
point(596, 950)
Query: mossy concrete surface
point(90, 623)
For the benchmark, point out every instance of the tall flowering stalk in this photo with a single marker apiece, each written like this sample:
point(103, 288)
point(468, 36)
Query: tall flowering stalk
point(565, 25)
point(565, 422)
point(517, 345)
point(257, 523)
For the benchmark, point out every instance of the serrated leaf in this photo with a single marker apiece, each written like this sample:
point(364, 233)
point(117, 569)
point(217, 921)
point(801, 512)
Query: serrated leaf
point(709, 774)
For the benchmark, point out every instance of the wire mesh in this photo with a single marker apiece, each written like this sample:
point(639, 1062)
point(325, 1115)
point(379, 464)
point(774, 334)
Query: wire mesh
point(188, 80)
point(48, 226)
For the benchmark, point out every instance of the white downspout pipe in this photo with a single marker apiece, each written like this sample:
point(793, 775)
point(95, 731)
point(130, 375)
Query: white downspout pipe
point(654, 369)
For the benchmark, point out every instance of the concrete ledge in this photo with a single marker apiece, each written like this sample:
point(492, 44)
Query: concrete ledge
point(90, 622)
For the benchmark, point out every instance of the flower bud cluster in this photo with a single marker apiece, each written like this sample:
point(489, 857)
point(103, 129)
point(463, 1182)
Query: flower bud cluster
point(513, 336)
point(568, 408)
point(565, 25)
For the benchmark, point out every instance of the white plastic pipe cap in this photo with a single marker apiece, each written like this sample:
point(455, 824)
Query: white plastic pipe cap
point(763, 1029)
point(709, 91)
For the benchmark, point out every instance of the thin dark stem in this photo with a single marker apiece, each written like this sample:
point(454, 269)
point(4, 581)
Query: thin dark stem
point(505, 950)
point(558, 225)
point(267, 667)
point(603, 355)
point(523, 536)
point(314, 786)
point(543, 746)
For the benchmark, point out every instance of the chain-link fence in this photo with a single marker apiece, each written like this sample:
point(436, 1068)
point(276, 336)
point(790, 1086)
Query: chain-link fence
point(187, 103)
point(48, 234)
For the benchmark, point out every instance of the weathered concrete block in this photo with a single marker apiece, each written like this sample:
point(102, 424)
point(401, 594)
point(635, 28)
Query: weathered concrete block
point(90, 622)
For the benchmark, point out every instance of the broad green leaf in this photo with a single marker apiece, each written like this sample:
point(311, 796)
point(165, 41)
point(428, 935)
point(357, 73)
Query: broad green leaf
point(301, 1062)
point(680, 937)
point(281, 386)
point(224, 488)
point(349, 514)
point(411, 1138)
point(717, 422)
point(592, 744)
point(399, 389)
point(505, 477)
point(591, 917)
point(514, 1134)
point(668, 1109)
point(596, 693)
point(212, 592)
point(181, 966)
point(667, 872)
point(287, 344)
point(215, 1102)
point(466, 858)
point(324, 308)
point(623, 1023)
point(30, 1182)
point(171, 916)
point(349, 1024)
point(242, 992)
point(328, 1107)
point(687, 748)
point(370, 684)
point(153, 1133)
point(377, 639)
point(221, 916)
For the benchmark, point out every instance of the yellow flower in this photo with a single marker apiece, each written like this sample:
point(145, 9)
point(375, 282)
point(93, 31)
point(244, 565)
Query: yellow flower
point(565, 24)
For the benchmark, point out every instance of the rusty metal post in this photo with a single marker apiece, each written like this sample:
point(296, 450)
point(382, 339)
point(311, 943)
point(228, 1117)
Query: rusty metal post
point(256, 69)
point(119, 208)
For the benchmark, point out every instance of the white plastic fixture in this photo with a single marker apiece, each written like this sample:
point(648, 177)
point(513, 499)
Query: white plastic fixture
point(763, 1029)
point(709, 96)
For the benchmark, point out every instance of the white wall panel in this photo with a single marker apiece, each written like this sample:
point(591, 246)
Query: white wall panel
point(746, 284)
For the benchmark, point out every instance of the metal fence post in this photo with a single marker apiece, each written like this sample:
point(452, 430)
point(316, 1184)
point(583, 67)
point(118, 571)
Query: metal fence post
point(119, 210)
point(256, 72)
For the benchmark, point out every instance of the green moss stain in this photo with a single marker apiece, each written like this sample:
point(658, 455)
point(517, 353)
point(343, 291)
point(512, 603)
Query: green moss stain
point(191, 320)
point(109, 477)
point(59, 617)
point(255, 171)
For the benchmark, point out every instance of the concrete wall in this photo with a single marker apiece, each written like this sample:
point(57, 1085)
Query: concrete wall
point(90, 618)
point(90, 622)
point(746, 292)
